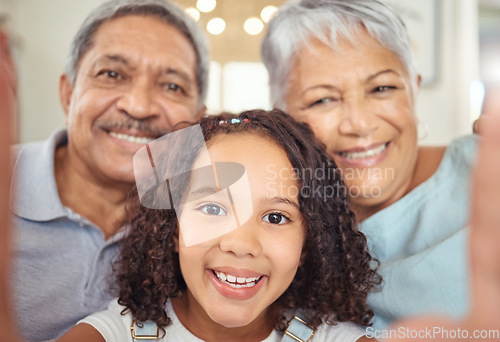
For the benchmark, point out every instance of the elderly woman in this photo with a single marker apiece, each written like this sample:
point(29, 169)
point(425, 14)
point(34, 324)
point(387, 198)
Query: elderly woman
point(346, 68)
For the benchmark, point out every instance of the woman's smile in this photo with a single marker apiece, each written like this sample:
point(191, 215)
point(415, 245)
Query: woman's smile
point(363, 156)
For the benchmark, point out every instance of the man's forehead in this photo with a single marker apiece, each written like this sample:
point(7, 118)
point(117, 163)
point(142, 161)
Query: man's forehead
point(130, 37)
point(142, 24)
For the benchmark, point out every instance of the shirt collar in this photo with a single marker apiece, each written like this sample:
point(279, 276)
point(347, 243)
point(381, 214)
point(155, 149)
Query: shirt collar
point(34, 194)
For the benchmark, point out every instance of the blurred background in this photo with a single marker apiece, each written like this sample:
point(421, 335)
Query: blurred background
point(457, 44)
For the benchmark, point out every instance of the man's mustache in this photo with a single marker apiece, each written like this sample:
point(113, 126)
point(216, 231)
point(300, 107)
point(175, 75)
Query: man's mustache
point(144, 127)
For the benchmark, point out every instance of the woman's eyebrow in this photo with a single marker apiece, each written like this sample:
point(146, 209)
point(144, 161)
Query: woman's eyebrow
point(319, 86)
point(371, 77)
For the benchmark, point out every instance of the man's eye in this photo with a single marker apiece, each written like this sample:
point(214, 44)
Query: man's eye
point(109, 74)
point(276, 218)
point(173, 87)
point(212, 209)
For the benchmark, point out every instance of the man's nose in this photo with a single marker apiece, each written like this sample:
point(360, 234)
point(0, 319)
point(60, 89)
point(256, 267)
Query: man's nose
point(139, 101)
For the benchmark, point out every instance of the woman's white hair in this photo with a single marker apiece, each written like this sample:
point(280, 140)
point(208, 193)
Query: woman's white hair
point(298, 21)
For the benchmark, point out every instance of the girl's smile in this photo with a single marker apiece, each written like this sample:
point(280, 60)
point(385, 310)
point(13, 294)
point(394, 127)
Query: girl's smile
point(238, 284)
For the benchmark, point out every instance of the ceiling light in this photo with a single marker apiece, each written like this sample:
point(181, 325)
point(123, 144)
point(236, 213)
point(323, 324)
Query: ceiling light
point(216, 26)
point(253, 26)
point(206, 5)
point(268, 12)
point(193, 13)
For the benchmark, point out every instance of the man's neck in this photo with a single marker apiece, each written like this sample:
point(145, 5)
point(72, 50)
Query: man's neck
point(102, 203)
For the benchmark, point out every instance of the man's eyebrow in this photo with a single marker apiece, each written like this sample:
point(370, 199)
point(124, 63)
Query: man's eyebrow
point(175, 72)
point(114, 58)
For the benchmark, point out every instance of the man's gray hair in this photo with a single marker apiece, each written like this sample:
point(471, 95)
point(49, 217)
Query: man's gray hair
point(168, 12)
point(298, 21)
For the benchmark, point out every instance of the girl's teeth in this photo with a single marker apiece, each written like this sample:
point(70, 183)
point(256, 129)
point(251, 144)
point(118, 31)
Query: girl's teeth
point(364, 154)
point(236, 282)
point(132, 139)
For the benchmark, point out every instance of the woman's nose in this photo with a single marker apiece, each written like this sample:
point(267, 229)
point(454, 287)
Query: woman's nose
point(358, 118)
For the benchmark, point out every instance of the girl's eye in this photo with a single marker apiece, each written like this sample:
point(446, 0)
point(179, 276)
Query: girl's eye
point(212, 209)
point(276, 218)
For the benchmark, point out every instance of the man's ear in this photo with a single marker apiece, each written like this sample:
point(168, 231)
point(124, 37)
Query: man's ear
point(65, 92)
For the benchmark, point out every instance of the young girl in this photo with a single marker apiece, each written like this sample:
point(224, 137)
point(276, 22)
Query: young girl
point(287, 261)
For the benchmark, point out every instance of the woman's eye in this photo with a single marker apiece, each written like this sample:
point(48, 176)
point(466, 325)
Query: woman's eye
point(276, 218)
point(382, 89)
point(212, 209)
point(323, 100)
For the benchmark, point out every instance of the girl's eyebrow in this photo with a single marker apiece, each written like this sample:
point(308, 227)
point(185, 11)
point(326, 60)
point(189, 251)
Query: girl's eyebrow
point(206, 189)
point(284, 200)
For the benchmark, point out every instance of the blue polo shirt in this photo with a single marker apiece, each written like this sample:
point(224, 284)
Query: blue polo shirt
point(62, 268)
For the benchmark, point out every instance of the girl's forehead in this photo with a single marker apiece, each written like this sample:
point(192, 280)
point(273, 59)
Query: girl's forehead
point(242, 144)
point(262, 157)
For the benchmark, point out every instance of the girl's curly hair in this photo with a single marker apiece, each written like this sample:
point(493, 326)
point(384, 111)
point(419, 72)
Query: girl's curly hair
point(337, 272)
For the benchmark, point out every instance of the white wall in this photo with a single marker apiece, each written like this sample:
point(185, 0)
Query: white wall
point(444, 106)
point(47, 26)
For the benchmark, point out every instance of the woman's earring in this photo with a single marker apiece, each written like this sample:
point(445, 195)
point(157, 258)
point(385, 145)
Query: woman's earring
point(423, 130)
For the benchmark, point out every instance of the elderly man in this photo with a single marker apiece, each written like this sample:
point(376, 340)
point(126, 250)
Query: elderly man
point(136, 68)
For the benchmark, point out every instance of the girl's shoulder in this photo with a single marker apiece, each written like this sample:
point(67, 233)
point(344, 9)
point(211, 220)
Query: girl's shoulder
point(339, 332)
point(111, 323)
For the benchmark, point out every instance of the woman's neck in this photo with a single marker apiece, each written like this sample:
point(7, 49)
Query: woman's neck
point(428, 160)
point(194, 318)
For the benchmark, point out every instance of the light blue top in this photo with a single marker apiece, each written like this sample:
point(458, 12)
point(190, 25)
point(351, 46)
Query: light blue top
point(62, 262)
point(421, 243)
point(114, 326)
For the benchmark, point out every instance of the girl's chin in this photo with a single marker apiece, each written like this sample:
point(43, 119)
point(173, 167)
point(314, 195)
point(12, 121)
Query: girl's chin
point(230, 322)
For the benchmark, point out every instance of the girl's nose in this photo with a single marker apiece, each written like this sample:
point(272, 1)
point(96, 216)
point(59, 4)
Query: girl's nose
point(243, 241)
